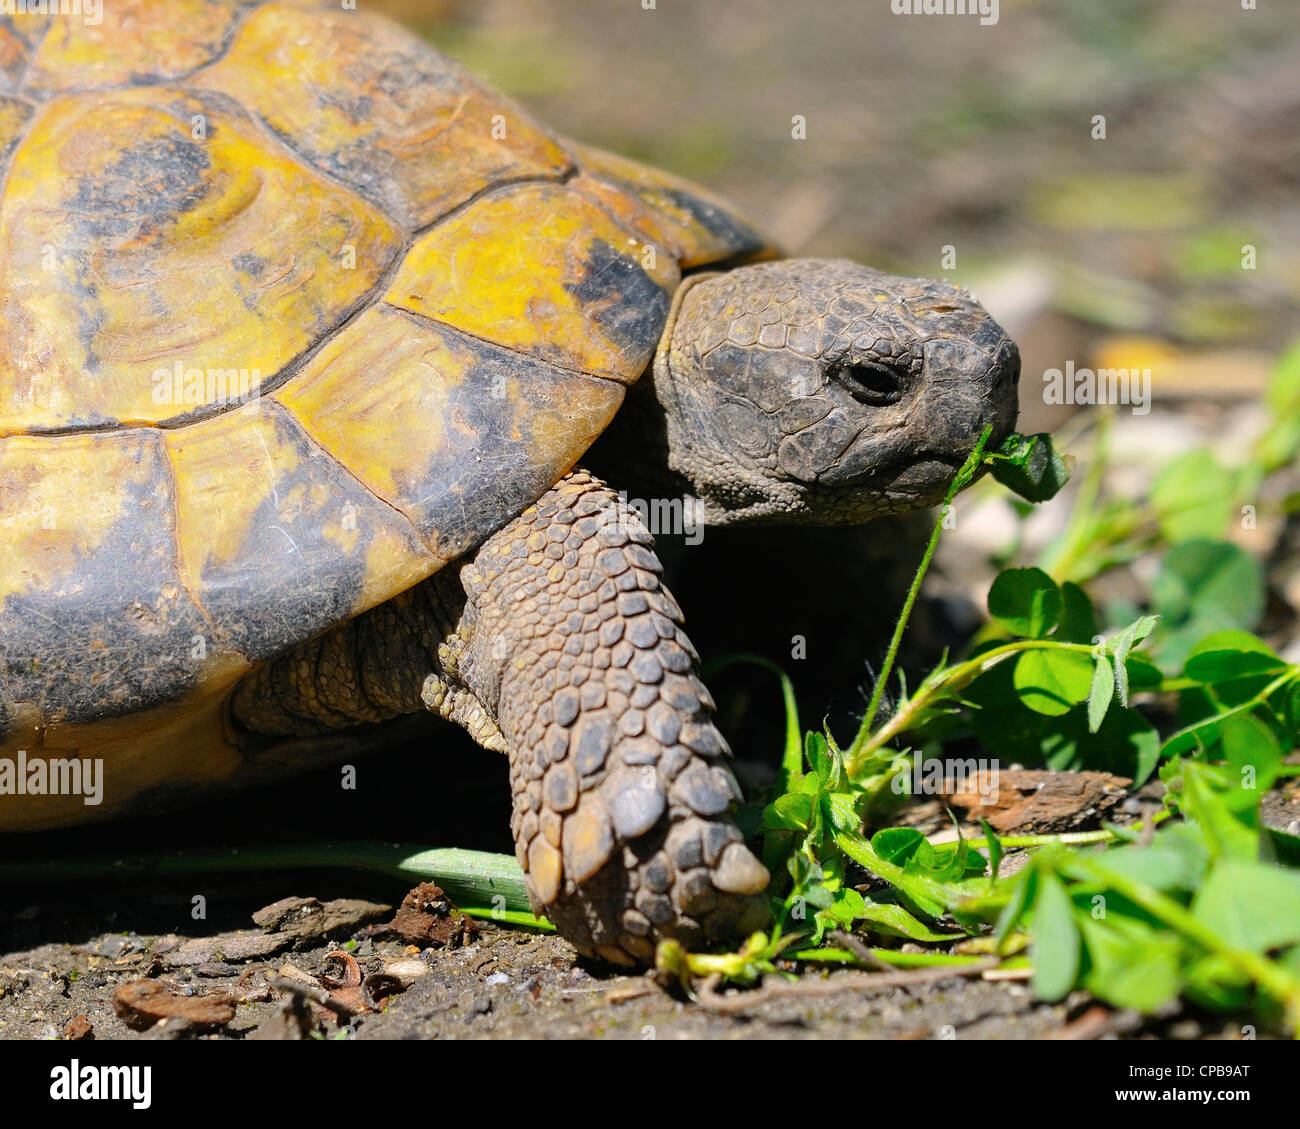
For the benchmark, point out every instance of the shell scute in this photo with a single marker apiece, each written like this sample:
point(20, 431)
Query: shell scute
point(277, 540)
point(697, 226)
point(130, 41)
point(542, 270)
point(379, 109)
point(150, 239)
point(95, 620)
point(456, 433)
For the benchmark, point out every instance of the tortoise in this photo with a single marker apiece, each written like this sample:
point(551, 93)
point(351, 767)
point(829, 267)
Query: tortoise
point(305, 334)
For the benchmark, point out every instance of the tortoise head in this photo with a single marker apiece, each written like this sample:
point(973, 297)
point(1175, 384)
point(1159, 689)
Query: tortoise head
point(814, 390)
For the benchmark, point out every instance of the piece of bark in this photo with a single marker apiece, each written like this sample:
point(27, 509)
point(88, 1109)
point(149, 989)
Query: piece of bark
point(309, 920)
point(244, 944)
point(1036, 800)
point(78, 1028)
point(141, 1004)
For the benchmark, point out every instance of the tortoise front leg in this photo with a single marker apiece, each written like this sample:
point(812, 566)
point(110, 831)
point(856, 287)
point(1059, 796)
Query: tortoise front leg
point(556, 644)
point(570, 653)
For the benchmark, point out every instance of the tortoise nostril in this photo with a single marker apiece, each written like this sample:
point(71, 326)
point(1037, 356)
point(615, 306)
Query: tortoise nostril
point(872, 384)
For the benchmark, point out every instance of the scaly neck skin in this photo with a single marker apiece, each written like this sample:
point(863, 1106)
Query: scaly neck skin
point(659, 448)
point(649, 453)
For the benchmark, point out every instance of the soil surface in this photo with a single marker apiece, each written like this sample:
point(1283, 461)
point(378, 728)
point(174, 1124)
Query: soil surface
point(506, 983)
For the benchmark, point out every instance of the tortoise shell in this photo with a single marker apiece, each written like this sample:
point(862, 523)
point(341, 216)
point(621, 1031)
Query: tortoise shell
point(296, 312)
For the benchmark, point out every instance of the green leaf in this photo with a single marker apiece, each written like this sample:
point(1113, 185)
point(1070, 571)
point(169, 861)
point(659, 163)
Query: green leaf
point(1169, 863)
point(1281, 442)
point(1204, 587)
point(994, 849)
point(1055, 945)
point(790, 812)
point(1101, 693)
point(1132, 635)
point(1030, 467)
point(845, 908)
point(1125, 743)
point(895, 920)
point(1194, 496)
point(1024, 887)
point(1251, 905)
point(897, 844)
point(840, 811)
point(817, 752)
point(1142, 673)
point(1078, 623)
point(1252, 751)
point(1053, 681)
point(1228, 816)
point(1130, 963)
point(1026, 601)
point(1227, 655)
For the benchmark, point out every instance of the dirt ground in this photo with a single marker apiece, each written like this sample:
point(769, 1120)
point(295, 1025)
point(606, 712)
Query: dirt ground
point(505, 984)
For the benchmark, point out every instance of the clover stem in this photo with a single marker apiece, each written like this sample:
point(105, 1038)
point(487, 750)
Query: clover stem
point(960, 480)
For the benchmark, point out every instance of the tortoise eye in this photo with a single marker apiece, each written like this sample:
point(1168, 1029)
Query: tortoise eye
point(872, 383)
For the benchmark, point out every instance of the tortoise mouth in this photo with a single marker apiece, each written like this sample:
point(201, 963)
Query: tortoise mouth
point(923, 476)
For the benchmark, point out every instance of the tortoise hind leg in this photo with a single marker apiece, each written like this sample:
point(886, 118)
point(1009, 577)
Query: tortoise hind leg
point(569, 643)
